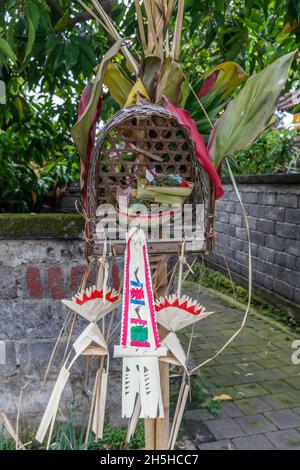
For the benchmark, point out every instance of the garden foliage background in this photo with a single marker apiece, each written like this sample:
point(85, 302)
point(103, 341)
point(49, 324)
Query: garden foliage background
point(49, 48)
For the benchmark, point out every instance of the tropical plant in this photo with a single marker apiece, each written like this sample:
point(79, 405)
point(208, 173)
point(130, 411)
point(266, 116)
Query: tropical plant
point(50, 48)
point(36, 160)
point(273, 151)
point(155, 75)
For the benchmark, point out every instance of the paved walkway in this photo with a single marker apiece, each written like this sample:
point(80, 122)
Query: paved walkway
point(257, 372)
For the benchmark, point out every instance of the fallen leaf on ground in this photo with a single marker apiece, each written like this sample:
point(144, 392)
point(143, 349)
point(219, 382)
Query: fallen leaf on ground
point(222, 397)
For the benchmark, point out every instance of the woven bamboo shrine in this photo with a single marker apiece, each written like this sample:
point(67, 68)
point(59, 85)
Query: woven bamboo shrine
point(148, 138)
point(150, 176)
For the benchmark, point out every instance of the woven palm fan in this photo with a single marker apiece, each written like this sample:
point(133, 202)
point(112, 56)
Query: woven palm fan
point(140, 138)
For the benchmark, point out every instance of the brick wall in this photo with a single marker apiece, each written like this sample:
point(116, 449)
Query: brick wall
point(41, 262)
point(273, 207)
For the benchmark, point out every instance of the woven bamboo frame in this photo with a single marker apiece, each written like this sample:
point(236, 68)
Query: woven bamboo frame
point(122, 153)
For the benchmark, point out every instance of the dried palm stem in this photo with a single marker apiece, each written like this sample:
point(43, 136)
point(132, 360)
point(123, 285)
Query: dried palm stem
point(178, 30)
point(106, 23)
point(140, 23)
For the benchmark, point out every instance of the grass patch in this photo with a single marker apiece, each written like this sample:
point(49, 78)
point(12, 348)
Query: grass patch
point(202, 398)
point(67, 436)
point(219, 282)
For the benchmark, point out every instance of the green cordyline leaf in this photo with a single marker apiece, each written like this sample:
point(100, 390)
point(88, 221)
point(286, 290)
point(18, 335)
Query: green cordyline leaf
point(170, 81)
point(151, 69)
point(6, 48)
point(118, 83)
point(62, 23)
point(33, 18)
point(250, 112)
point(80, 131)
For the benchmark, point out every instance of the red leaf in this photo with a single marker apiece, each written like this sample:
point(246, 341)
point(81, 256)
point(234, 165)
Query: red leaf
point(84, 164)
point(208, 84)
point(84, 99)
point(183, 116)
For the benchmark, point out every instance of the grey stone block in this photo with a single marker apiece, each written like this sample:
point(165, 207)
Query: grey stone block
point(252, 221)
point(228, 207)
point(8, 288)
point(250, 197)
point(256, 442)
point(223, 239)
point(252, 406)
point(277, 386)
point(235, 243)
point(254, 248)
point(283, 289)
point(266, 254)
point(275, 213)
point(292, 247)
point(292, 215)
point(257, 211)
point(233, 196)
point(263, 279)
point(279, 401)
point(268, 199)
point(30, 318)
point(241, 257)
point(274, 270)
point(197, 415)
point(297, 295)
point(8, 366)
point(254, 424)
point(266, 226)
point(224, 428)
point(284, 419)
point(297, 410)
point(276, 243)
point(224, 228)
point(222, 217)
point(224, 444)
point(288, 439)
point(287, 200)
point(240, 233)
point(236, 219)
point(257, 237)
point(285, 260)
point(286, 230)
point(258, 264)
point(230, 410)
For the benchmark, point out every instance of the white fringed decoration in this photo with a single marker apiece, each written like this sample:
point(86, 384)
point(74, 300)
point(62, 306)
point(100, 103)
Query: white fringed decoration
point(140, 344)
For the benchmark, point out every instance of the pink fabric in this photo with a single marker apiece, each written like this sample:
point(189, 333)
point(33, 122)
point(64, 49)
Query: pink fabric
point(140, 344)
point(137, 321)
point(126, 297)
point(150, 298)
point(185, 119)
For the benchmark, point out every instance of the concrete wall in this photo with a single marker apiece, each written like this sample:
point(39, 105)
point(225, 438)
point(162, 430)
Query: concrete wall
point(273, 207)
point(40, 264)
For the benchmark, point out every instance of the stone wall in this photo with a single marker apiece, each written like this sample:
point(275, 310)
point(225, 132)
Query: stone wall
point(41, 262)
point(273, 207)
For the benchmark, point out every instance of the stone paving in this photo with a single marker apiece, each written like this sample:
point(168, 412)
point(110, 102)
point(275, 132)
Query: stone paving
point(257, 372)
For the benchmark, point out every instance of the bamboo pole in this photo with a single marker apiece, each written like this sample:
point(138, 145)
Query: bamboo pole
point(157, 430)
point(162, 424)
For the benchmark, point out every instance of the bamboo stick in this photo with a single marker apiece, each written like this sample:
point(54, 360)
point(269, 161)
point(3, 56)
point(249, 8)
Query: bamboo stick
point(162, 424)
point(178, 30)
point(140, 23)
